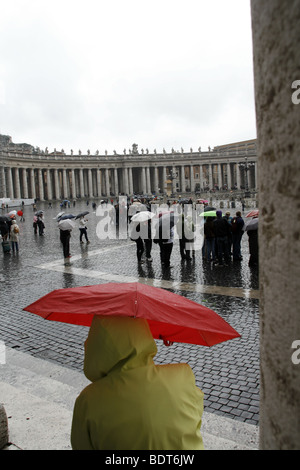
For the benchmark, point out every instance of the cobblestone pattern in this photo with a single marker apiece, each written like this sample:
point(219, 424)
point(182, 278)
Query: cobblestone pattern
point(227, 373)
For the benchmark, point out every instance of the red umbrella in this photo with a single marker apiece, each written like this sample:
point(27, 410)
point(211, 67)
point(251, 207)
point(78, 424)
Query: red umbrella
point(171, 317)
point(253, 213)
point(20, 213)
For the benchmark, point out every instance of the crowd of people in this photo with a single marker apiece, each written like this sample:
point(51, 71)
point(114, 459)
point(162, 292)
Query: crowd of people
point(221, 234)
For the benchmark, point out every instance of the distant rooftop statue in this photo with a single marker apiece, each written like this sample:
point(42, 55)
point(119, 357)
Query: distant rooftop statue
point(135, 149)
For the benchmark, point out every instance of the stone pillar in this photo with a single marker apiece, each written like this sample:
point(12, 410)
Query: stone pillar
point(148, 180)
point(201, 177)
point(125, 181)
point(41, 184)
point(192, 181)
point(130, 180)
point(17, 184)
point(65, 185)
point(3, 181)
point(143, 180)
point(210, 176)
point(276, 51)
point(25, 185)
point(32, 184)
point(90, 180)
point(99, 183)
point(238, 176)
point(116, 180)
point(56, 184)
point(229, 183)
point(164, 179)
point(174, 179)
point(81, 183)
point(107, 186)
point(49, 187)
point(220, 182)
point(72, 184)
point(182, 178)
point(155, 182)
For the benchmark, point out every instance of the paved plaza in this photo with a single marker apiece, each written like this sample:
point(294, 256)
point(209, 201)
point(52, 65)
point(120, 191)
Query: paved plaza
point(227, 373)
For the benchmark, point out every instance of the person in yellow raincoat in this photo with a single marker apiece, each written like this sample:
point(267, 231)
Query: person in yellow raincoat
point(132, 403)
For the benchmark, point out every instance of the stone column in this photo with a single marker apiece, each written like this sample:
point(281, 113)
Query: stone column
point(130, 180)
point(125, 180)
point(164, 178)
point(143, 180)
point(210, 176)
point(107, 185)
point(155, 182)
point(56, 184)
point(220, 184)
point(81, 183)
point(25, 185)
point(41, 185)
point(99, 183)
point(116, 181)
point(17, 183)
point(3, 180)
point(229, 183)
point(174, 179)
point(32, 184)
point(148, 180)
point(192, 181)
point(10, 184)
point(65, 184)
point(201, 177)
point(49, 187)
point(90, 180)
point(238, 176)
point(276, 51)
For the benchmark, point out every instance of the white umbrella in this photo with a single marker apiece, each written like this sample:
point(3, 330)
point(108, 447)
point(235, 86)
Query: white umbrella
point(58, 215)
point(142, 216)
point(66, 224)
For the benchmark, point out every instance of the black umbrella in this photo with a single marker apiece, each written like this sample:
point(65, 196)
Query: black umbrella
point(4, 219)
point(209, 208)
point(67, 216)
point(81, 214)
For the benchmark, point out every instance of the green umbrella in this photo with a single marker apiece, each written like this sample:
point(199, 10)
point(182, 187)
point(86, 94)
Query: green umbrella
point(208, 214)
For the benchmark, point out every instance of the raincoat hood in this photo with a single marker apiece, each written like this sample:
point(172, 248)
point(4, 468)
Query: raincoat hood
point(108, 350)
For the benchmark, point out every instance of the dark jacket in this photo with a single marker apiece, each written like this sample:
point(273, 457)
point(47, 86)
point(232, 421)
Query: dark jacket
point(221, 227)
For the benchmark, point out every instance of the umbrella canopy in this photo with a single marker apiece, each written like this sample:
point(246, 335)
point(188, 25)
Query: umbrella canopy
point(251, 224)
point(66, 224)
point(67, 216)
point(82, 214)
point(39, 212)
point(208, 214)
point(58, 215)
point(13, 212)
point(253, 213)
point(4, 219)
point(142, 216)
point(20, 213)
point(171, 317)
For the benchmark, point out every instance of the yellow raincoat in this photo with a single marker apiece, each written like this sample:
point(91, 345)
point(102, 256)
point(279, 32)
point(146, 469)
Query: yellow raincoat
point(133, 404)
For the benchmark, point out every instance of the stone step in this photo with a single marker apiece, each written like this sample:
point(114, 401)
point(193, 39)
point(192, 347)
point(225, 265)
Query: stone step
point(38, 397)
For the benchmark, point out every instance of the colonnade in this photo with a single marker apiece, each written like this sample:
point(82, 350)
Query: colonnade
point(57, 183)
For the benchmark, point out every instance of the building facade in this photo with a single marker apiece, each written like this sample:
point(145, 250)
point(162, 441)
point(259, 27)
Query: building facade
point(29, 172)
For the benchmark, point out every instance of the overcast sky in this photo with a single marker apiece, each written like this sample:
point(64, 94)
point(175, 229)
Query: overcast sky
point(104, 74)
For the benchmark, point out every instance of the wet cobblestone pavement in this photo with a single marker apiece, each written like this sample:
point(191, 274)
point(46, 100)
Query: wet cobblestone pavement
point(228, 373)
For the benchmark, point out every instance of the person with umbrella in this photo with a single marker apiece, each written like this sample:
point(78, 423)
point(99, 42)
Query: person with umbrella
point(65, 227)
point(141, 233)
point(252, 231)
point(165, 236)
point(132, 403)
point(83, 229)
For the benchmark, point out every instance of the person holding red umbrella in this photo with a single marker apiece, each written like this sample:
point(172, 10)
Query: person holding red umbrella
point(131, 403)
